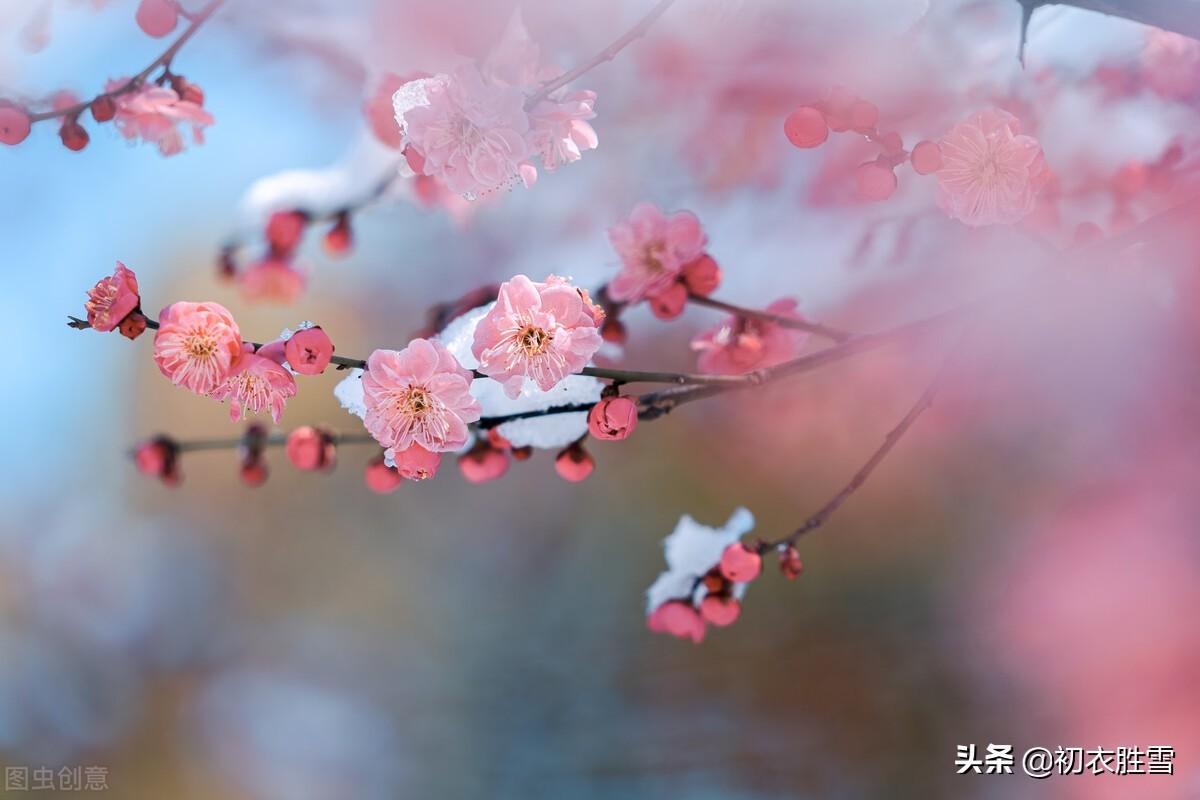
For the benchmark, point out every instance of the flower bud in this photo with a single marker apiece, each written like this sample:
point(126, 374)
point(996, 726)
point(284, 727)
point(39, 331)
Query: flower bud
point(789, 562)
point(309, 350)
point(104, 108)
point(158, 458)
point(338, 239)
point(926, 157)
point(669, 303)
point(73, 135)
point(806, 127)
point(284, 230)
point(483, 463)
point(740, 564)
point(381, 478)
point(157, 18)
point(613, 418)
point(14, 123)
point(133, 326)
point(310, 448)
point(254, 472)
point(613, 331)
point(574, 463)
point(720, 610)
point(876, 181)
point(702, 276)
point(415, 463)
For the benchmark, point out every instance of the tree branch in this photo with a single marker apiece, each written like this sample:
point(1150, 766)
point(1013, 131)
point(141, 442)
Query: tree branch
point(779, 319)
point(860, 477)
point(1180, 16)
point(607, 54)
point(164, 61)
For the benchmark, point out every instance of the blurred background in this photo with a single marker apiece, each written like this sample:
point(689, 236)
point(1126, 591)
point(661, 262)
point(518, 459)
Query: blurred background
point(1022, 570)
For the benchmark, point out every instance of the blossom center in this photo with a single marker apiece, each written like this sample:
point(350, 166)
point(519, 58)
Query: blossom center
point(533, 340)
point(652, 256)
point(416, 401)
point(200, 346)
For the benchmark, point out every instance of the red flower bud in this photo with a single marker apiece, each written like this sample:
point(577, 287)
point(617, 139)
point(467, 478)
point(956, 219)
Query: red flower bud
point(133, 326)
point(926, 157)
point(338, 239)
point(483, 463)
point(740, 564)
point(789, 563)
point(309, 350)
point(806, 127)
point(415, 463)
point(720, 610)
point(157, 17)
point(284, 230)
point(158, 458)
point(574, 463)
point(702, 276)
point(310, 448)
point(613, 418)
point(669, 303)
point(254, 472)
point(14, 123)
point(104, 108)
point(613, 330)
point(876, 181)
point(381, 478)
point(73, 135)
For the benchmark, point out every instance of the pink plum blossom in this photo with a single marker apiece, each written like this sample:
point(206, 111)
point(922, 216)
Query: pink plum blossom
point(256, 383)
point(654, 249)
point(197, 345)
point(991, 173)
point(540, 331)
point(272, 280)
point(559, 131)
point(740, 344)
point(470, 134)
point(154, 113)
point(418, 395)
point(112, 299)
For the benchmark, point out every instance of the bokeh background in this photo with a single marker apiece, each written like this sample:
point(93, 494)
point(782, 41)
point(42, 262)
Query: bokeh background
point(1022, 570)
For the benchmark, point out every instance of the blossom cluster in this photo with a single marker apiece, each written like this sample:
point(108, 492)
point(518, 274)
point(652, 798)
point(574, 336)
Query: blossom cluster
point(486, 126)
point(708, 571)
point(153, 112)
point(988, 172)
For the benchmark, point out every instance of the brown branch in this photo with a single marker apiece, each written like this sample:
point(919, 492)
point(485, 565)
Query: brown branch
point(779, 319)
point(1180, 16)
point(860, 477)
point(164, 61)
point(607, 54)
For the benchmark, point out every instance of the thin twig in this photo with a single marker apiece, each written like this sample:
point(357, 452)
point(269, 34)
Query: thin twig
point(779, 319)
point(864, 472)
point(164, 61)
point(607, 54)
